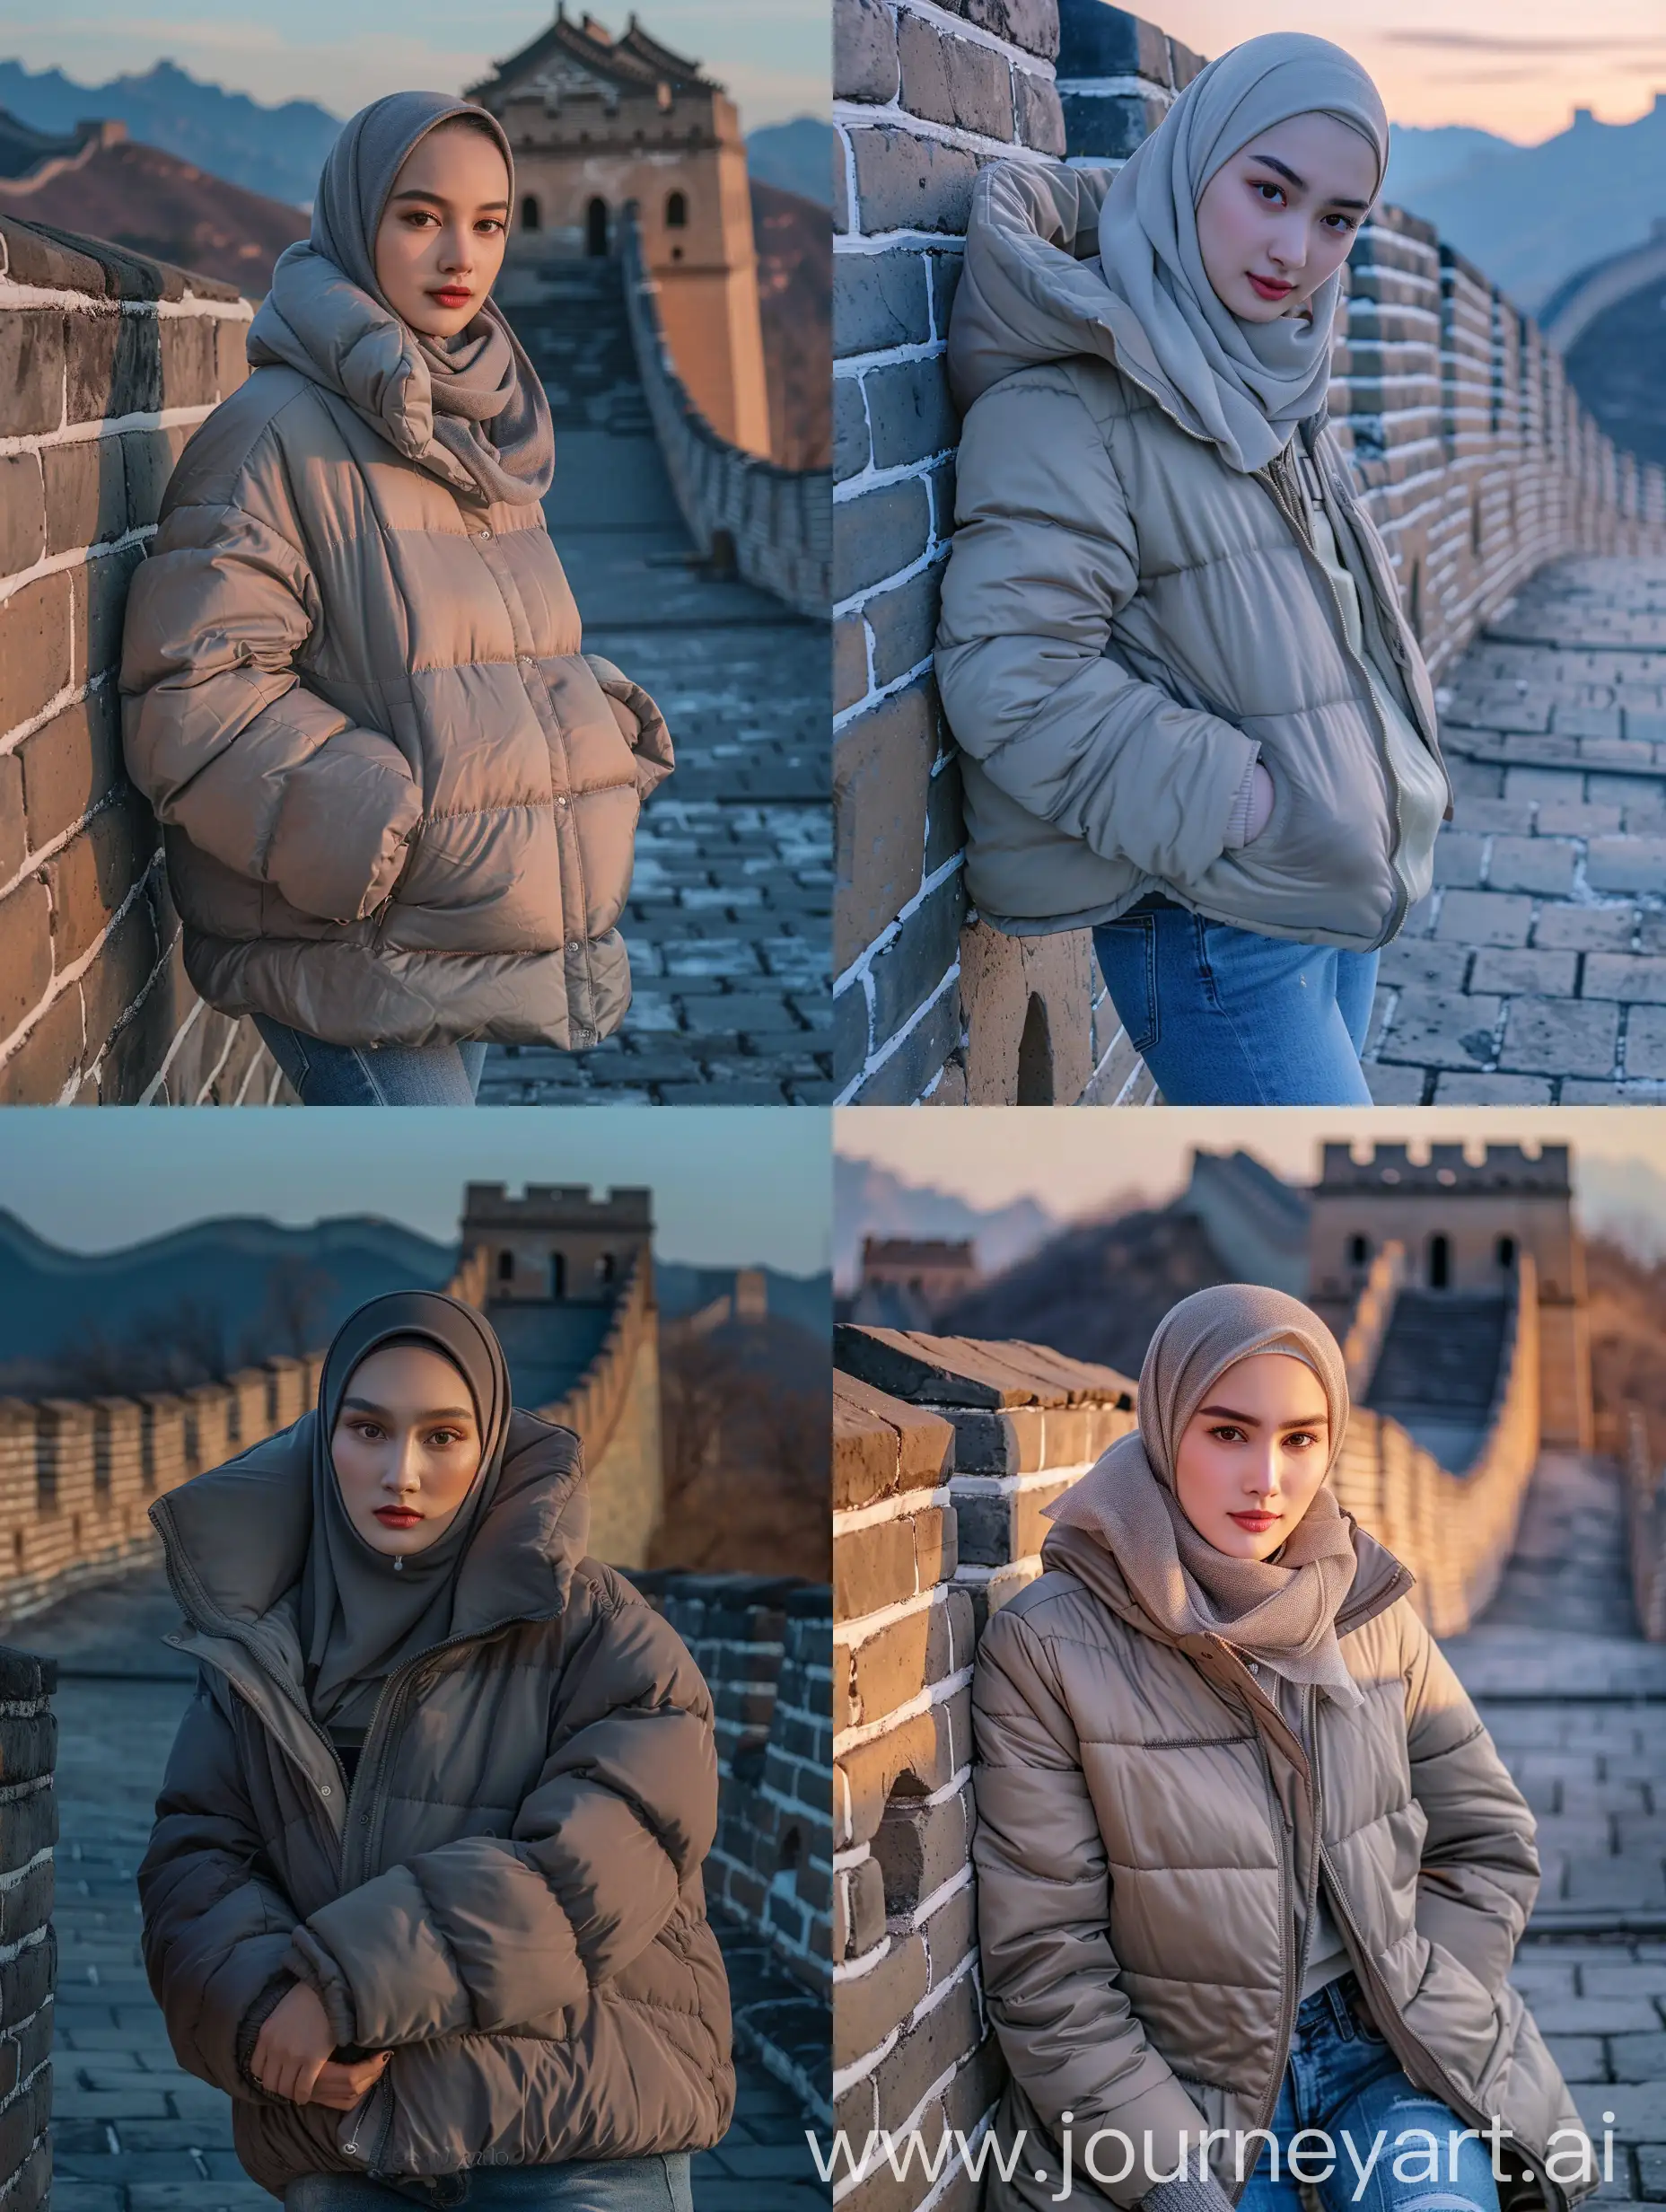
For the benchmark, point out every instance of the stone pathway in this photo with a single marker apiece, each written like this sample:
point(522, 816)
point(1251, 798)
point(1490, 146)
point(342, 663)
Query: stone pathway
point(1535, 971)
point(131, 2131)
point(1576, 1703)
point(729, 920)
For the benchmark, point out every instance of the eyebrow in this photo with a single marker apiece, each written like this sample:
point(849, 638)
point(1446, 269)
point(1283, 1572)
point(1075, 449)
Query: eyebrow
point(413, 192)
point(1249, 1420)
point(1290, 176)
point(433, 1413)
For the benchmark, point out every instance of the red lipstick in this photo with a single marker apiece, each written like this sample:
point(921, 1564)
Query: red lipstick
point(1271, 287)
point(453, 296)
point(1255, 1522)
point(397, 1516)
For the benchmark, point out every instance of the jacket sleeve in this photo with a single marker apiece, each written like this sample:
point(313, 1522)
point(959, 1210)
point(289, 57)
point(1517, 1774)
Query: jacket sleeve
point(1066, 2029)
point(225, 740)
point(494, 1932)
point(1043, 558)
point(216, 1924)
point(1480, 1865)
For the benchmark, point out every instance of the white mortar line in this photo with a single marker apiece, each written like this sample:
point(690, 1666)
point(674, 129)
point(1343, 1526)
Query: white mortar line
point(847, 1519)
point(858, 115)
point(858, 1732)
point(106, 426)
point(189, 308)
point(74, 973)
point(78, 556)
point(850, 1635)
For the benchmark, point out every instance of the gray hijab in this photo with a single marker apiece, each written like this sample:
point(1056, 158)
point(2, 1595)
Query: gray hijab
point(1282, 1612)
point(1242, 385)
point(362, 1612)
point(470, 410)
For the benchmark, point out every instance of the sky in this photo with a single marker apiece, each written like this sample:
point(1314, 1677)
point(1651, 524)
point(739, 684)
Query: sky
point(1516, 67)
point(773, 55)
point(732, 1187)
point(1077, 1163)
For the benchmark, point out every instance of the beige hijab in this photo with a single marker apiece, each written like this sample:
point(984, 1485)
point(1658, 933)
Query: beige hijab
point(1282, 1612)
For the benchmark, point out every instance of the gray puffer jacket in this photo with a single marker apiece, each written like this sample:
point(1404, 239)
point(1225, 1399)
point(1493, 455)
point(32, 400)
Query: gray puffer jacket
point(1152, 1837)
point(1125, 621)
point(399, 805)
point(508, 1897)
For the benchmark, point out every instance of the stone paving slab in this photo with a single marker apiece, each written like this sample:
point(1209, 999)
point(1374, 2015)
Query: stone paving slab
point(1535, 971)
point(132, 2131)
point(729, 923)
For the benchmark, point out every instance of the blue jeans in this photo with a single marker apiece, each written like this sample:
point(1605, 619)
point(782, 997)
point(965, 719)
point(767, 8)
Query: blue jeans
point(375, 1075)
point(1225, 1017)
point(660, 2183)
point(1344, 2079)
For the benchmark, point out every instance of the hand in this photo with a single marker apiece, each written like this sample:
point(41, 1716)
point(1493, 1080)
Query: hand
point(293, 2049)
point(343, 2083)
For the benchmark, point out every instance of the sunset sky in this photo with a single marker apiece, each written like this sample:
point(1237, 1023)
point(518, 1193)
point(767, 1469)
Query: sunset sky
point(731, 1188)
point(1518, 67)
point(773, 55)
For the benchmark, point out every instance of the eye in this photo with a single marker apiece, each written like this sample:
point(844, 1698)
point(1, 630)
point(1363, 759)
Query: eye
point(1301, 1439)
point(1264, 184)
point(489, 223)
point(1347, 223)
point(443, 1438)
point(368, 1431)
point(1229, 1432)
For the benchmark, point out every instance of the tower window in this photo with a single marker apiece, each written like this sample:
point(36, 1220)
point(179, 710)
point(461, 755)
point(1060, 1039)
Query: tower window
point(557, 1276)
point(1440, 1263)
point(1506, 1252)
point(676, 211)
point(1359, 1251)
point(529, 213)
point(596, 229)
point(506, 1266)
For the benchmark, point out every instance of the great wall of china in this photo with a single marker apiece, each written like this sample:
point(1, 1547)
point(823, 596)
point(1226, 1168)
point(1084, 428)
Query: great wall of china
point(1479, 464)
point(76, 1478)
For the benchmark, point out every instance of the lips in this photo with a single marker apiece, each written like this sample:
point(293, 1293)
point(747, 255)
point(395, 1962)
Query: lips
point(452, 297)
point(397, 1517)
point(1270, 288)
point(1257, 1520)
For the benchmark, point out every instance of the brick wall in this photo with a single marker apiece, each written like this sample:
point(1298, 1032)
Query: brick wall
point(107, 362)
point(945, 1452)
point(28, 1952)
point(1477, 462)
point(763, 1645)
point(777, 523)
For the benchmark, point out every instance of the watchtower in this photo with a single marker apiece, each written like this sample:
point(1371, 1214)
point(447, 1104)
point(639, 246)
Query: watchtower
point(598, 122)
point(555, 1241)
point(1463, 1224)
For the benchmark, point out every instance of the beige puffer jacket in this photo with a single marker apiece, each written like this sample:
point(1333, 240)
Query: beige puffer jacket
point(400, 807)
point(508, 1897)
point(1145, 1862)
point(1125, 618)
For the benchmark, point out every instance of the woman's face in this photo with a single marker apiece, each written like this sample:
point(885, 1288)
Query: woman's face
point(406, 1447)
point(1254, 1454)
point(1279, 217)
point(440, 242)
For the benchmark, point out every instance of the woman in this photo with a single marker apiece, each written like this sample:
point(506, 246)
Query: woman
point(400, 803)
point(1247, 1858)
point(1190, 713)
point(424, 1892)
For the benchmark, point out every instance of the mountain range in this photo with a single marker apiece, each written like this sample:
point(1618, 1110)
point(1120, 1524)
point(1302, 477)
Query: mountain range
point(1530, 216)
point(869, 1200)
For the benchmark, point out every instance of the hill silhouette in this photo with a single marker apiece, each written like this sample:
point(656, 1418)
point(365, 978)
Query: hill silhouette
point(276, 152)
point(795, 157)
point(794, 240)
point(150, 201)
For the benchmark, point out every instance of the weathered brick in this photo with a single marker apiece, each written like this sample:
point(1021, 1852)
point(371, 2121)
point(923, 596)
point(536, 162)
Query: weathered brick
point(150, 458)
point(115, 981)
point(850, 661)
point(1098, 41)
point(904, 623)
point(1538, 864)
point(1625, 976)
point(1483, 917)
point(877, 533)
point(190, 375)
point(94, 873)
point(1549, 974)
point(1581, 929)
point(1627, 863)
point(910, 414)
point(880, 301)
point(1040, 115)
point(28, 1746)
point(34, 646)
point(22, 513)
point(31, 1824)
point(86, 498)
point(906, 1072)
point(881, 765)
point(1442, 1028)
point(46, 1063)
point(231, 354)
point(69, 765)
point(864, 51)
point(14, 841)
point(853, 449)
point(32, 370)
point(911, 967)
point(113, 366)
point(100, 601)
point(25, 952)
point(904, 183)
point(1109, 125)
point(1032, 24)
point(1645, 1041)
point(949, 79)
point(1461, 1090)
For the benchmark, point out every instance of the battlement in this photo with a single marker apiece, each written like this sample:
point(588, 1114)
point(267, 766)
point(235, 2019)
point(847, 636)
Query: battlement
point(556, 1207)
point(1501, 1170)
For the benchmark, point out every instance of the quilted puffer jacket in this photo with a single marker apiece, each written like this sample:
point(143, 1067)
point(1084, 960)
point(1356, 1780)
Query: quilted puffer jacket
point(508, 1897)
point(1150, 1837)
point(400, 806)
